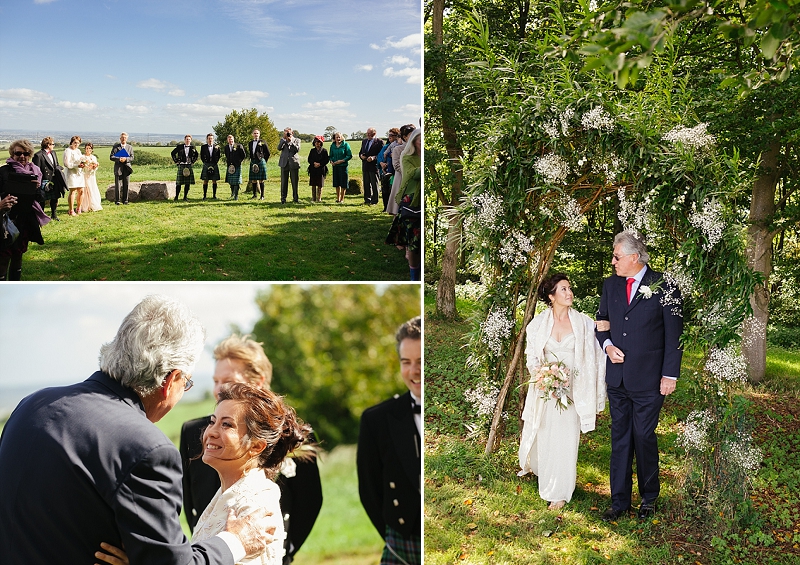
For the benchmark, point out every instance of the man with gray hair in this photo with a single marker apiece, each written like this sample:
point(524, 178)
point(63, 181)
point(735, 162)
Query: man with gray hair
point(85, 464)
point(289, 162)
point(644, 362)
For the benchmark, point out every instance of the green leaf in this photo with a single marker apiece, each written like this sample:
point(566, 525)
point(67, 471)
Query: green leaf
point(769, 45)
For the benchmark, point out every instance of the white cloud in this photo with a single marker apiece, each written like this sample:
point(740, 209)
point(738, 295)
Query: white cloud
point(399, 60)
point(412, 42)
point(327, 104)
point(24, 94)
point(409, 109)
point(177, 92)
point(112, 77)
point(43, 1)
point(298, 94)
point(152, 83)
point(414, 75)
point(240, 98)
point(137, 109)
point(363, 67)
point(77, 105)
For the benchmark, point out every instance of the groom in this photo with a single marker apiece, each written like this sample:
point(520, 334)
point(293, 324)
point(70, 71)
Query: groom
point(644, 362)
point(122, 167)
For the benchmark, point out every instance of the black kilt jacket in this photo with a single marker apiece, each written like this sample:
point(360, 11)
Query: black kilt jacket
point(211, 156)
point(179, 154)
point(261, 151)
point(390, 467)
point(236, 156)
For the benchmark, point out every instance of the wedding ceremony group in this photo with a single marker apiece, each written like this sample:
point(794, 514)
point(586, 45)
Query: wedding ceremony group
point(87, 476)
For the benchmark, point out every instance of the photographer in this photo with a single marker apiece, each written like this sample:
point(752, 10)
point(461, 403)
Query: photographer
point(289, 162)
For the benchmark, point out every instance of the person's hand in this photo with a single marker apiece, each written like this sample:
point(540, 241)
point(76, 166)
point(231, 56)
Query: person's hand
point(254, 536)
point(123, 159)
point(615, 354)
point(667, 386)
point(603, 325)
point(7, 203)
point(115, 555)
point(316, 165)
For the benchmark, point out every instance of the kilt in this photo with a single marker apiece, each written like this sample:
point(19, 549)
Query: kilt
point(234, 177)
point(400, 550)
point(339, 176)
point(262, 170)
point(205, 175)
point(181, 179)
point(405, 231)
point(51, 192)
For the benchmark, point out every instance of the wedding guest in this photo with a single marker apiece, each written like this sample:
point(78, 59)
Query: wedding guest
point(389, 461)
point(72, 162)
point(386, 167)
point(122, 167)
point(289, 162)
point(368, 154)
point(240, 359)
point(406, 228)
point(184, 155)
point(23, 210)
point(88, 464)
point(259, 155)
point(91, 200)
point(397, 177)
point(209, 155)
point(234, 155)
point(317, 168)
point(52, 181)
point(551, 430)
point(340, 154)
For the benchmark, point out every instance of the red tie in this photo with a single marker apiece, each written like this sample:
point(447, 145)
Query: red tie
point(630, 282)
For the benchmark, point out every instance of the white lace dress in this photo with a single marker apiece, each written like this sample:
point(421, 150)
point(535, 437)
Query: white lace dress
point(553, 453)
point(250, 493)
point(72, 161)
point(90, 200)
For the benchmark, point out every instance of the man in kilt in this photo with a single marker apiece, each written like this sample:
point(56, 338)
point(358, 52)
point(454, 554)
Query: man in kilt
point(234, 155)
point(52, 182)
point(209, 155)
point(388, 460)
point(259, 155)
point(184, 155)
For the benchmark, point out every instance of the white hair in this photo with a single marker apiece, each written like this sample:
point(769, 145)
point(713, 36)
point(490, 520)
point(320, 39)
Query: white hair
point(632, 244)
point(409, 149)
point(159, 335)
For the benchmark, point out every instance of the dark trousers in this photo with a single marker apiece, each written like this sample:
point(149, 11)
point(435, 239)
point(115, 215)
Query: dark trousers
point(124, 181)
point(287, 172)
point(370, 177)
point(386, 189)
point(634, 417)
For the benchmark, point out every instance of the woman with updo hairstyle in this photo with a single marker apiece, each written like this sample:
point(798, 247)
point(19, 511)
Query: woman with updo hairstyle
point(551, 431)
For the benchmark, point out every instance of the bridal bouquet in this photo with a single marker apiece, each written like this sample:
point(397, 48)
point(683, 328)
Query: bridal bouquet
point(84, 162)
point(552, 381)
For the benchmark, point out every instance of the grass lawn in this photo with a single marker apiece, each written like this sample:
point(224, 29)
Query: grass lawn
point(478, 511)
point(218, 239)
point(342, 534)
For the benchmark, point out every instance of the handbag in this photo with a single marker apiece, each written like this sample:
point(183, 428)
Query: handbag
point(10, 232)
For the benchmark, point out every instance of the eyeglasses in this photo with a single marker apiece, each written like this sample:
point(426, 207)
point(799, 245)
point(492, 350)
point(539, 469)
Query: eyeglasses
point(189, 382)
point(616, 257)
point(21, 153)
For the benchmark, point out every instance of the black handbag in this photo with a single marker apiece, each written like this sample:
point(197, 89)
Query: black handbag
point(10, 232)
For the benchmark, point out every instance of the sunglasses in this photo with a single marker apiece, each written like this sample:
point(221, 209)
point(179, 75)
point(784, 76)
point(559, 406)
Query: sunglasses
point(21, 153)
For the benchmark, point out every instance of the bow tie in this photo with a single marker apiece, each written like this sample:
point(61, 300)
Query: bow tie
point(416, 408)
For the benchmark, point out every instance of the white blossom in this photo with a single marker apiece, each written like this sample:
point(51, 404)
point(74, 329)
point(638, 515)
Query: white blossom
point(742, 453)
point(694, 138)
point(710, 222)
point(726, 365)
point(752, 327)
point(516, 249)
point(676, 276)
point(598, 118)
point(634, 216)
point(695, 431)
point(610, 167)
point(592, 5)
point(572, 217)
point(482, 399)
point(470, 291)
point(489, 210)
point(552, 167)
point(559, 126)
point(495, 329)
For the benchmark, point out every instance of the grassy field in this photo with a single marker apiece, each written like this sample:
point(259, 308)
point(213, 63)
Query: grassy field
point(343, 534)
point(477, 511)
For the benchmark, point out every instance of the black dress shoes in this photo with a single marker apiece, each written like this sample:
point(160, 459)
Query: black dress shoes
point(612, 515)
point(646, 510)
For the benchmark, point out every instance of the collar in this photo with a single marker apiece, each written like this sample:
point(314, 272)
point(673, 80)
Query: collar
point(640, 275)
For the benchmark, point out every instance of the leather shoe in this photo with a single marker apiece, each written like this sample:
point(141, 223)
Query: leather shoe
point(612, 515)
point(646, 510)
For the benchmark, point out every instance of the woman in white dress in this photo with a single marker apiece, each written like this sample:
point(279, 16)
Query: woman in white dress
point(251, 432)
point(550, 434)
point(72, 164)
point(90, 200)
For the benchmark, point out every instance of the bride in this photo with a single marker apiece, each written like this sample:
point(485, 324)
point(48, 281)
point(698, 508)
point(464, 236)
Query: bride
point(551, 431)
point(91, 194)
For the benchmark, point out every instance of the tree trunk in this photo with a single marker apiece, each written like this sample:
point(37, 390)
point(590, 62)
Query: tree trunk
point(446, 289)
point(759, 258)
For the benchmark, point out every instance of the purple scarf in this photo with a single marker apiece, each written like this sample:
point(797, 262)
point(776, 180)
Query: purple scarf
point(31, 169)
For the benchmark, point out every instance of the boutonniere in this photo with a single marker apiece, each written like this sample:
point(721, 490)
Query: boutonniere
point(647, 291)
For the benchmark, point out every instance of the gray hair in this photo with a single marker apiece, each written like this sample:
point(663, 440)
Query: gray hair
point(159, 335)
point(409, 148)
point(631, 244)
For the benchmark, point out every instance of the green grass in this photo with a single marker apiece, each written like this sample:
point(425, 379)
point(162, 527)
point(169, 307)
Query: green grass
point(478, 511)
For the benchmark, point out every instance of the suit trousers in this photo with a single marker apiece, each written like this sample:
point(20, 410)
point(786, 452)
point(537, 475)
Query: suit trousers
point(634, 417)
point(124, 181)
point(369, 175)
point(287, 172)
point(386, 189)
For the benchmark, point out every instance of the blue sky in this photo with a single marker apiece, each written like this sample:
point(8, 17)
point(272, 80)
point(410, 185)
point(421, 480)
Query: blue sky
point(174, 66)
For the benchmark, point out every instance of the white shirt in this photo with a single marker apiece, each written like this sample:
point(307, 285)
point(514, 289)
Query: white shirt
point(417, 417)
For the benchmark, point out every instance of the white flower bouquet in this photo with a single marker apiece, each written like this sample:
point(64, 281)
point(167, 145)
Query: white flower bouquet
point(552, 381)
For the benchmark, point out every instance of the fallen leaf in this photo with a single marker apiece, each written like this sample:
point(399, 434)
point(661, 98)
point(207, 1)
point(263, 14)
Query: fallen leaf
point(595, 508)
point(468, 501)
point(472, 526)
point(496, 513)
point(547, 533)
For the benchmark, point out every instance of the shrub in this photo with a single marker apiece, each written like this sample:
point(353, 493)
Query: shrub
point(354, 186)
point(783, 336)
point(148, 158)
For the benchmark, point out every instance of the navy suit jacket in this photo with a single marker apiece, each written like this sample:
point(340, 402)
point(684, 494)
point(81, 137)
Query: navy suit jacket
point(389, 466)
point(646, 331)
point(82, 464)
point(375, 148)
